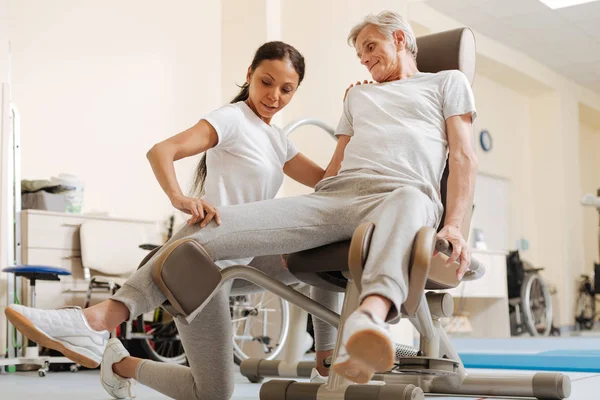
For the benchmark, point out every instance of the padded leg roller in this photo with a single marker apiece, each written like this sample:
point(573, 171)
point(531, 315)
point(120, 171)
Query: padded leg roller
point(187, 276)
point(291, 390)
point(384, 392)
point(256, 369)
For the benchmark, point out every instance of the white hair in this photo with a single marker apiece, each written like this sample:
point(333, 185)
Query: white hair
point(387, 22)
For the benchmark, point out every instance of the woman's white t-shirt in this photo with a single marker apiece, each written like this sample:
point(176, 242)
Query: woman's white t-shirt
point(247, 163)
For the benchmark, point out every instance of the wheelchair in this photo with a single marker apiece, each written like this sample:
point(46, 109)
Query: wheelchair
point(586, 313)
point(529, 299)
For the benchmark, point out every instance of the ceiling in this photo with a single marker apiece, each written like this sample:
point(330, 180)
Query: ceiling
point(566, 40)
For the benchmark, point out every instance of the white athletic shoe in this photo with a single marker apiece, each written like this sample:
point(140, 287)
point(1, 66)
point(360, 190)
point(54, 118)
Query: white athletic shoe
point(368, 348)
point(65, 330)
point(116, 386)
point(315, 377)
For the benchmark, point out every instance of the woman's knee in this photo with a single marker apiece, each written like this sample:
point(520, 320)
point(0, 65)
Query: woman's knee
point(215, 391)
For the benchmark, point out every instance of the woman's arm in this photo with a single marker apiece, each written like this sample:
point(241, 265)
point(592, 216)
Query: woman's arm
point(302, 169)
point(190, 142)
point(338, 156)
point(162, 156)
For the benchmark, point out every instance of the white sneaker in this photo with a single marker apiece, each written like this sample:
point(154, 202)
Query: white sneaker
point(316, 377)
point(368, 348)
point(116, 386)
point(65, 330)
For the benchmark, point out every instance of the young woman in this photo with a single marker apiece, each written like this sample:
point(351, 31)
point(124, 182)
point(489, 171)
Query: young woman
point(245, 161)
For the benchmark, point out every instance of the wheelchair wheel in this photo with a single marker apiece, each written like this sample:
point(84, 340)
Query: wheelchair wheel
point(260, 324)
point(536, 302)
point(164, 345)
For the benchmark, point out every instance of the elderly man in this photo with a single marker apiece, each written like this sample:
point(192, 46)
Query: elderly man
point(394, 139)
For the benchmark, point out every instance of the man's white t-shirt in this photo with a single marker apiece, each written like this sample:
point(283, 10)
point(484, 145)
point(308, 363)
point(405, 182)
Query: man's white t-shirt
point(247, 163)
point(398, 128)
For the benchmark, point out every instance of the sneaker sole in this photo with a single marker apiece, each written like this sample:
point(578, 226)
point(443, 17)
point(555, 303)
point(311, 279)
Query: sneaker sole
point(364, 372)
point(372, 349)
point(25, 326)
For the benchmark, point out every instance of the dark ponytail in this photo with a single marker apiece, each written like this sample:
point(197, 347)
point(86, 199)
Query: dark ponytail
point(243, 94)
point(269, 51)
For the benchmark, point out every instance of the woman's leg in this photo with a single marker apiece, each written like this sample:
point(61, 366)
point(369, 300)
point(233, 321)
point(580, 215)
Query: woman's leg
point(207, 345)
point(325, 334)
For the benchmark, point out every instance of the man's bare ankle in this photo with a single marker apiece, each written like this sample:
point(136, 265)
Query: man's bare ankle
point(93, 320)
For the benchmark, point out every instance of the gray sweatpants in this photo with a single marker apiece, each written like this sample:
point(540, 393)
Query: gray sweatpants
point(282, 226)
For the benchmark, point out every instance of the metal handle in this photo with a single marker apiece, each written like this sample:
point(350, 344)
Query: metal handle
point(476, 269)
point(292, 126)
point(72, 258)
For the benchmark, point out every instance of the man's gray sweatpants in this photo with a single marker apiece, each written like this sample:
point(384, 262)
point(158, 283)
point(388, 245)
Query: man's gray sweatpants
point(396, 206)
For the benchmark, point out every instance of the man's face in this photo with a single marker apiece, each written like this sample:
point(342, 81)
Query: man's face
point(378, 53)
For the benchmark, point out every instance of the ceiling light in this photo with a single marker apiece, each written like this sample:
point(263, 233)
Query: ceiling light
point(554, 4)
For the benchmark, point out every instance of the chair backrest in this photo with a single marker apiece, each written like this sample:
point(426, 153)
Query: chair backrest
point(454, 49)
point(112, 247)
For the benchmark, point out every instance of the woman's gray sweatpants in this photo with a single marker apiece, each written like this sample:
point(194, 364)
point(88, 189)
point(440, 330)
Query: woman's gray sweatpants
point(396, 206)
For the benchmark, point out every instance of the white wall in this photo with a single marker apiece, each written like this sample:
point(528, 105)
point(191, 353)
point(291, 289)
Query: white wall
point(590, 183)
point(238, 49)
point(98, 83)
point(505, 114)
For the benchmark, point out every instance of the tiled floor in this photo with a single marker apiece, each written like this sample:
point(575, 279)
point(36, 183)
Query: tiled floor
point(86, 385)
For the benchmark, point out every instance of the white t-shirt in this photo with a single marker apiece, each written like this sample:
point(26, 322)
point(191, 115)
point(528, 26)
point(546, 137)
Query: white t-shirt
point(247, 163)
point(398, 128)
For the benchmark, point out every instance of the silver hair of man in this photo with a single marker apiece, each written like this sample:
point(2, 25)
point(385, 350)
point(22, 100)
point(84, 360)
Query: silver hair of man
point(387, 22)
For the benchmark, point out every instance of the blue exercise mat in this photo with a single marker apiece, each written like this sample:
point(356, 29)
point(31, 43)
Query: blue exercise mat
point(573, 354)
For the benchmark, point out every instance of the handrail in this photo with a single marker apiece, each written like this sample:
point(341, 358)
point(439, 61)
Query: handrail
point(292, 126)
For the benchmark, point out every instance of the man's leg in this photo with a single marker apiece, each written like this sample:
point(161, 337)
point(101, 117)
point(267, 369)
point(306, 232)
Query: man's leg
point(397, 221)
point(384, 282)
point(279, 226)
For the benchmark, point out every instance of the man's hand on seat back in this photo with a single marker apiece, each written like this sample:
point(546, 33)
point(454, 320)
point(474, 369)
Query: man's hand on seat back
point(460, 249)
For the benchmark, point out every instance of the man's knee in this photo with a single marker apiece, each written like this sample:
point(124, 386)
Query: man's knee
point(410, 195)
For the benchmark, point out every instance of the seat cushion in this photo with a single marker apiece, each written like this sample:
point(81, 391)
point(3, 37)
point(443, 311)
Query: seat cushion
point(327, 267)
point(323, 266)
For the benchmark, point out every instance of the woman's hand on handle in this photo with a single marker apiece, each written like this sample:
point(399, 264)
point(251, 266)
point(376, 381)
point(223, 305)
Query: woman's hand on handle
point(460, 249)
point(200, 210)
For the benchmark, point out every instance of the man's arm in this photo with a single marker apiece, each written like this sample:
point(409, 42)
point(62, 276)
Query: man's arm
point(338, 156)
point(461, 183)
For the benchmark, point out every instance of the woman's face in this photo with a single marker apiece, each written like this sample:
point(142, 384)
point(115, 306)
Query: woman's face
point(272, 86)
